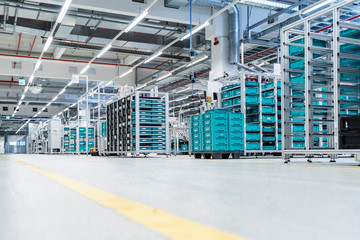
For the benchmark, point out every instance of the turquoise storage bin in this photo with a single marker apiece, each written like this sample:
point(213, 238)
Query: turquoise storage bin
point(251, 91)
point(298, 145)
point(226, 95)
point(298, 128)
point(237, 92)
point(269, 148)
point(251, 84)
point(268, 129)
point(268, 85)
point(269, 139)
point(268, 119)
point(279, 137)
point(252, 127)
point(280, 146)
point(253, 146)
point(298, 139)
point(253, 136)
point(252, 100)
point(268, 110)
point(237, 101)
point(268, 101)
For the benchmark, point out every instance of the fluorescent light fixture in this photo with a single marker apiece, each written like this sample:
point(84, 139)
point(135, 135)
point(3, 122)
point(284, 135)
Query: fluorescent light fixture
point(39, 112)
point(197, 61)
point(104, 51)
point(165, 76)
point(69, 84)
point(48, 104)
point(37, 66)
point(124, 74)
point(183, 90)
point(47, 44)
point(85, 68)
point(269, 3)
point(26, 89)
point(136, 21)
point(43, 109)
point(153, 57)
point(62, 91)
point(66, 109)
point(35, 115)
point(317, 5)
point(31, 79)
point(63, 11)
point(22, 97)
point(195, 30)
point(73, 105)
point(109, 83)
point(54, 98)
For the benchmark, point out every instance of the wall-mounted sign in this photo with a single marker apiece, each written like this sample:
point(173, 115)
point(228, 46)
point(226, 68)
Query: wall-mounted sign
point(22, 81)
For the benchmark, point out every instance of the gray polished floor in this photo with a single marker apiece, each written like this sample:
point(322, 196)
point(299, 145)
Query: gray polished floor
point(258, 199)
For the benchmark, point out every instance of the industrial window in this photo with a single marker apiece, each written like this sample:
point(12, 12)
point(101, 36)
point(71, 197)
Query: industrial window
point(46, 110)
point(35, 109)
point(5, 109)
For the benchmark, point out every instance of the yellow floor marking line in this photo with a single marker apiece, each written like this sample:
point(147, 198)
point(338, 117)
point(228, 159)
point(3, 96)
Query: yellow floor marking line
point(166, 224)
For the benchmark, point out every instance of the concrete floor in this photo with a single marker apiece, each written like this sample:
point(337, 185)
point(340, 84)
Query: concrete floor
point(255, 199)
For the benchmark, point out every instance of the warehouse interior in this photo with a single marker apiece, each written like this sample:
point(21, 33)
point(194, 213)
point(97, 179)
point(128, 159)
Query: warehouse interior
point(179, 119)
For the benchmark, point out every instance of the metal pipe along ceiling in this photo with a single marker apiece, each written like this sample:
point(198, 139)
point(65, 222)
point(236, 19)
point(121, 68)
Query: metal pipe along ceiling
point(234, 22)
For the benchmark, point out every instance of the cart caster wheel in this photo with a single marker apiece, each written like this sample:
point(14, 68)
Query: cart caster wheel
point(309, 161)
point(287, 161)
point(332, 160)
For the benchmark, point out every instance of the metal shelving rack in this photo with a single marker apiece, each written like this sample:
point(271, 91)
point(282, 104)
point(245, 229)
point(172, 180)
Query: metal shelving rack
point(139, 124)
point(321, 81)
point(249, 99)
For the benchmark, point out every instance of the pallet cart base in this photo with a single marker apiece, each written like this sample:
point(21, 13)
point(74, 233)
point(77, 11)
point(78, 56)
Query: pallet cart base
point(218, 154)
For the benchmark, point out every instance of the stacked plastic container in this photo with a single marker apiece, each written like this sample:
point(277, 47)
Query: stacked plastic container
point(152, 123)
point(271, 115)
point(66, 139)
point(217, 130)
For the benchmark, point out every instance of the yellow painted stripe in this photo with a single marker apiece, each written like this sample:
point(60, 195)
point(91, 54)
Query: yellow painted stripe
point(171, 226)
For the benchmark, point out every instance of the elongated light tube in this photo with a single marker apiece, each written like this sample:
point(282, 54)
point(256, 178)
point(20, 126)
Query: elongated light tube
point(31, 79)
point(136, 21)
point(63, 11)
point(195, 30)
point(126, 73)
point(165, 76)
point(197, 61)
point(37, 66)
point(48, 43)
point(62, 91)
point(104, 51)
point(269, 3)
point(318, 6)
point(153, 57)
point(85, 68)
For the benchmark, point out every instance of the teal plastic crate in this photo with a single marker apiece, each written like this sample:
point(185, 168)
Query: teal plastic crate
point(252, 100)
point(227, 103)
point(252, 91)
point(268, 101)
point(226, 95)
point(269, 148)
point(252, 127)
point(268, 129)
point(237, 101)
point(251, 84)
point(269, 139)
point(268, 110)
point(253, 146)
point(253, 136)
point(268, 119)
point(299, 145)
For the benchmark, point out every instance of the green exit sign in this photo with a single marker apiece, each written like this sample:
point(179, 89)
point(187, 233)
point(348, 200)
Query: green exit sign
point(22, 81)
